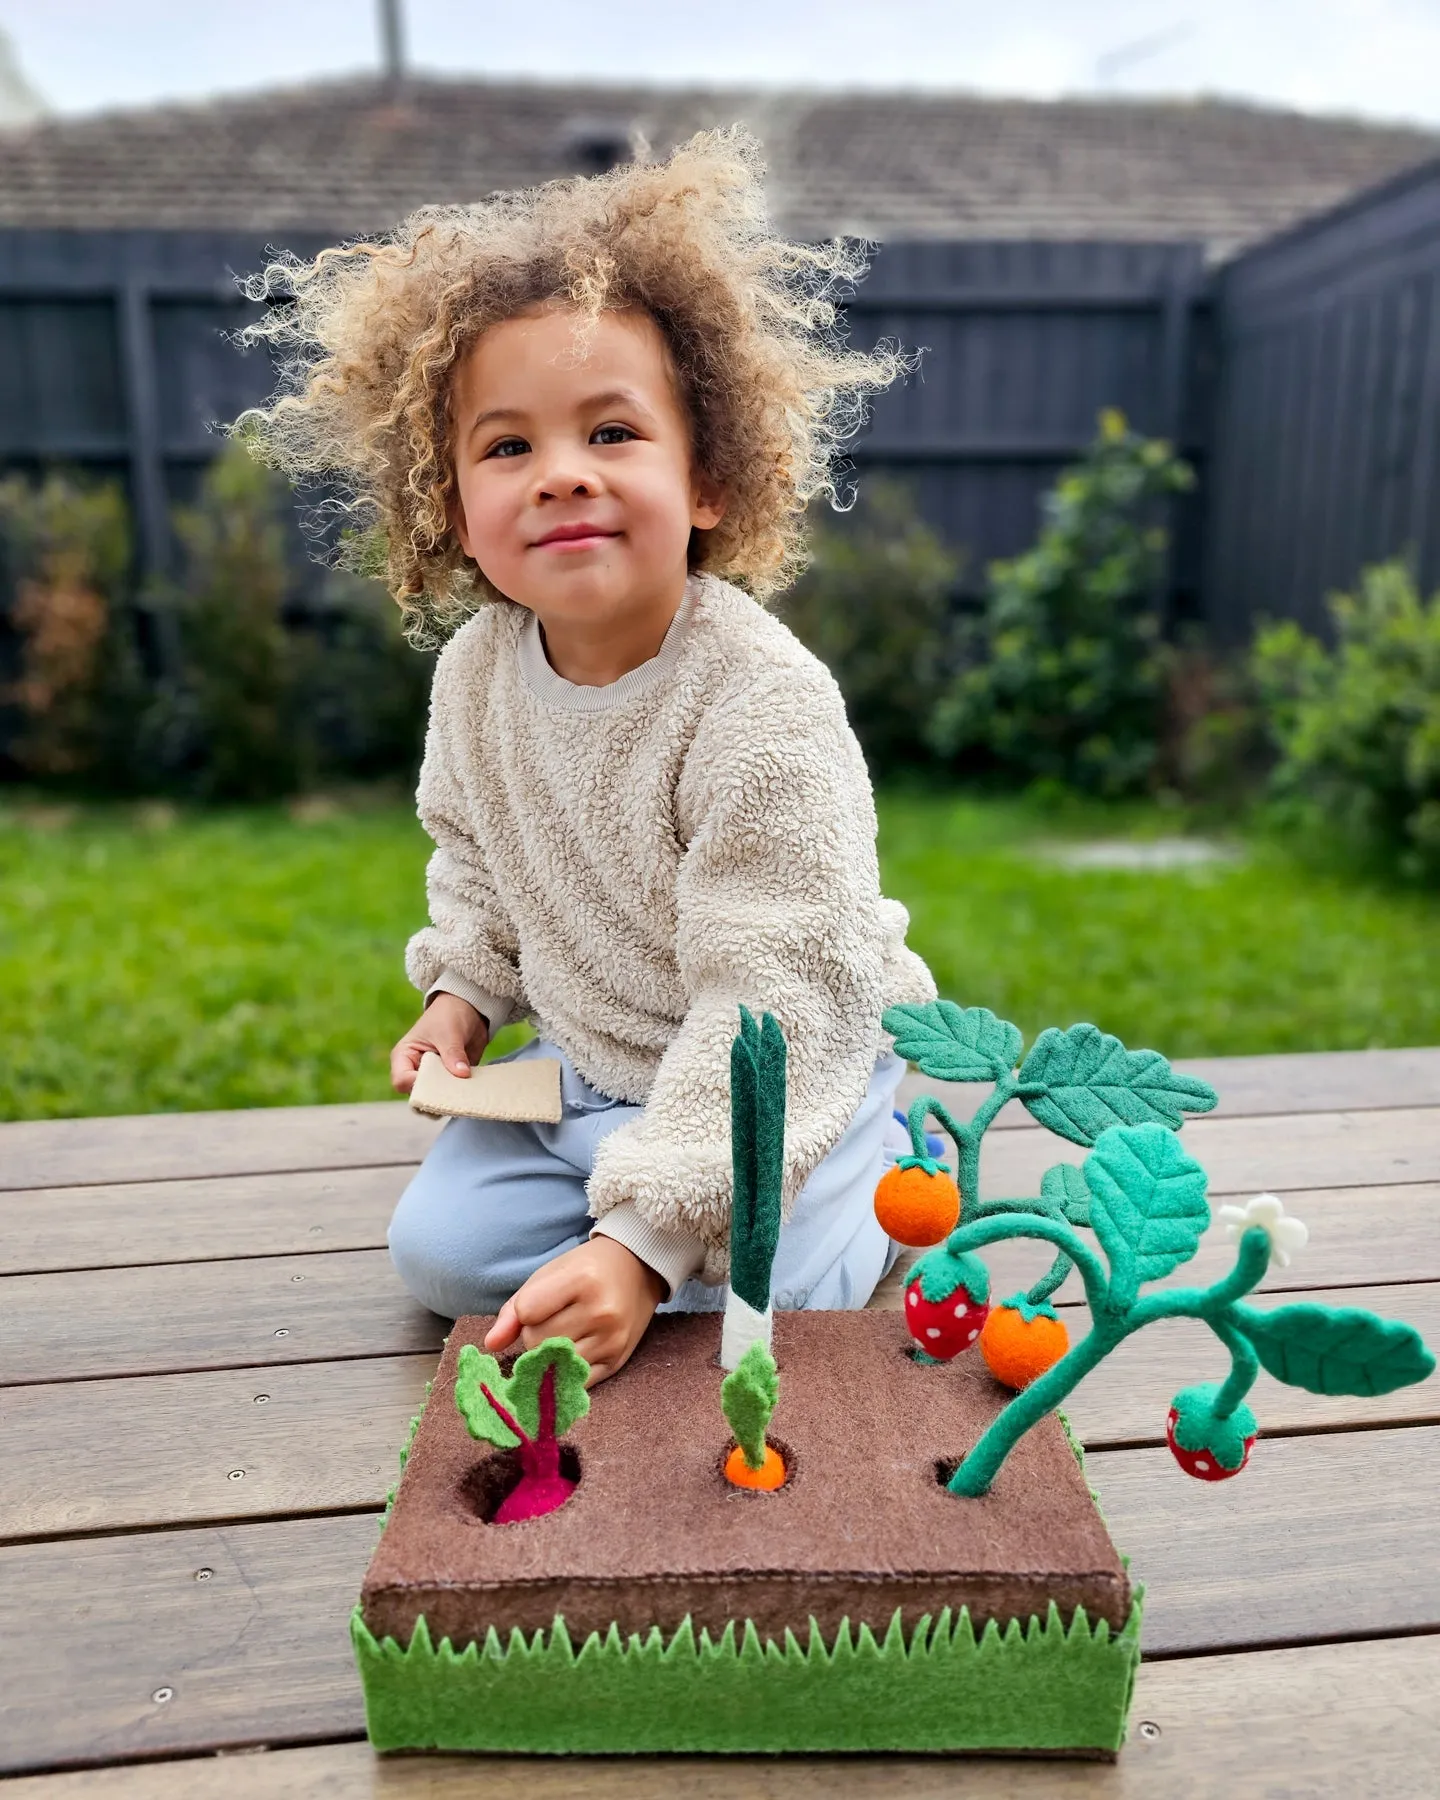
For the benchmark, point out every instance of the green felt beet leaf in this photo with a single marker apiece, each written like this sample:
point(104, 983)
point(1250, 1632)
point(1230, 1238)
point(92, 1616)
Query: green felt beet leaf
point(757, 1137)
point(519, 1393)
point(1083, 1081)
point(748, 1395)
point(953, 1043)
point(1335, 1349)
point(1064, 1190)
point(1147, 1204)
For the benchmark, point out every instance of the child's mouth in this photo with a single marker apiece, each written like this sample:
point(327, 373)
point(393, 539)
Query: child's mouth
point(574, 537)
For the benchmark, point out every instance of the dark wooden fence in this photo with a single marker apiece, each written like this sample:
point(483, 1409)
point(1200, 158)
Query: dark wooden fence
point(1326, 449)
point(112, 359)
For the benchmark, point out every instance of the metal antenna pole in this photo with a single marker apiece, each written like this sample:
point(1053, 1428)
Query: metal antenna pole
point(392, 45)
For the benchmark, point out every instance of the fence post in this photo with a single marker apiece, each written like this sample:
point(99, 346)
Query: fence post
point(147, 470)
point(1175, 310)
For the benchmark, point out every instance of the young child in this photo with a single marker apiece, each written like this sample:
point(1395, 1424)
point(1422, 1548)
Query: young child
point(587, 420)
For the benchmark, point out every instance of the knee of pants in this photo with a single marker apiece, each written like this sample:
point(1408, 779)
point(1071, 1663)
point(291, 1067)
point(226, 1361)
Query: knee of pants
point(451, 1273)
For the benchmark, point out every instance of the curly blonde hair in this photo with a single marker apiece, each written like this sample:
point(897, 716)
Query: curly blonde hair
point(370, 333)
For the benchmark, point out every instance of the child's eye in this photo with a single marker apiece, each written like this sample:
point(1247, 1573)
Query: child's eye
point(510, 446)
point(612, 434)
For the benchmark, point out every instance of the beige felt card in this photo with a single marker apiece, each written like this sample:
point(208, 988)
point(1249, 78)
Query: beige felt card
point(527, 1090)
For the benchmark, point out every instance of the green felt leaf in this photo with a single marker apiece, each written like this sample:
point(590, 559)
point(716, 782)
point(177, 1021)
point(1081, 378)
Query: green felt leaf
point(940, 1274)
point(757, 1137)
point(1147, 1204)
point(748, 1395)
point(519, 1393)
point(1064, 1190)
point(953, 1043)
point(1087, 1081)
point(1335, 1349)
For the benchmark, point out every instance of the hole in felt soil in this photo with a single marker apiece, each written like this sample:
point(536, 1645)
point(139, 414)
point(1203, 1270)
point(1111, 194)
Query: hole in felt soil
point(485, 1487)
point(782, 1449)
point(945, 1468)
point(913, 1353)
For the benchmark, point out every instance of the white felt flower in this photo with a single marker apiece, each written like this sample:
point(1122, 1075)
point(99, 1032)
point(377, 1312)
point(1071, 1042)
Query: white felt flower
point(1286, 1234)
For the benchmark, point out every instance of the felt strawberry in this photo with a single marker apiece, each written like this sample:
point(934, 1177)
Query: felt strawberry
point(917, 1201)
point(947, 1303)
point(1207, 1447)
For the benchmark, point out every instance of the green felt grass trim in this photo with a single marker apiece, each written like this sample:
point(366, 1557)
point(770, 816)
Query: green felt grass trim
point(748, 1395)
point(1044, 1686)
point(1199, 1427)
point(940, 1274)
point(404, 1456)
point(757, 1149)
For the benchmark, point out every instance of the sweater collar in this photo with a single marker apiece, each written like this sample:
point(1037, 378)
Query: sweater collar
point(571, 696)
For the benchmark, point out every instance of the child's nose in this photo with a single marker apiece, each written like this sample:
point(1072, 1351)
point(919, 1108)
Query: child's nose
point(566, 477)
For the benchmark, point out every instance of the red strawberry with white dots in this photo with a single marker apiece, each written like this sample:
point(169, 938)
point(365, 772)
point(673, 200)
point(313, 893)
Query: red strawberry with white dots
point(947, 1303)
point(1206, 1446)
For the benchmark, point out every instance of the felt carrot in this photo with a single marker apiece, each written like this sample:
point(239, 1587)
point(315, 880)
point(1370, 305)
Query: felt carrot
point(757, 1140)
point(748, 1395)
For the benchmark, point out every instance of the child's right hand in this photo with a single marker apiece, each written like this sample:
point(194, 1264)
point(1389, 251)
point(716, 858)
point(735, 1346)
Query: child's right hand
point(449, 1025)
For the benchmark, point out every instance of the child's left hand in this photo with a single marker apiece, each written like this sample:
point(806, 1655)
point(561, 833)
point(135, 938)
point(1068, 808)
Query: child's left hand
point(599, 1295)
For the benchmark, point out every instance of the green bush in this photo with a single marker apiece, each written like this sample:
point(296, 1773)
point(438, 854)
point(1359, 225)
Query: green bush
point(1068, 678)
point(876, 606)
point(76, 695)
point(1357, 727)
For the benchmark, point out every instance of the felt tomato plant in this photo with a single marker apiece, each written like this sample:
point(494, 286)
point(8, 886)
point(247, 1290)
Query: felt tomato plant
point(1143, 1197)
point(529, 1412)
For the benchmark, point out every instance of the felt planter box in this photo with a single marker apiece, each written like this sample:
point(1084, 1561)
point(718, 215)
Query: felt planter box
point(858, 1607)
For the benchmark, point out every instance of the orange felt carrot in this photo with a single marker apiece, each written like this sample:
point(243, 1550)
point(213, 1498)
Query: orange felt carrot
point(769, 1476)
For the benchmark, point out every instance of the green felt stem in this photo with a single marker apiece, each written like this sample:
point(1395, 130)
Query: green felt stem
point(1110, 1327)
point(967, 1137)
point(977, 1234)
point(1054, 1278)
point(1244, 1367)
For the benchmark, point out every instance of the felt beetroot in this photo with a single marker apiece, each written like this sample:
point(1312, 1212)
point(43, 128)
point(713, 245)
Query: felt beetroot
point(1206, 1441)
point(528, 1412)
point(947, 1303)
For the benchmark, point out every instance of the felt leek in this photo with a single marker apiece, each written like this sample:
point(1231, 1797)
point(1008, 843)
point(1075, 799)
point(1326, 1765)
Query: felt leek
point(757, 1133)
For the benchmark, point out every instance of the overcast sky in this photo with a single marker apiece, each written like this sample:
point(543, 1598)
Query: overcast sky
point(1380, 58)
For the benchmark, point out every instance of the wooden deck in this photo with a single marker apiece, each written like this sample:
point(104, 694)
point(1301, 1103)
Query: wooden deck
point(207, 1366)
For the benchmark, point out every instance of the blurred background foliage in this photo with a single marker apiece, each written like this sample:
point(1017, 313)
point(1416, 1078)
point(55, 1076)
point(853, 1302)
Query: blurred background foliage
point(209, 860)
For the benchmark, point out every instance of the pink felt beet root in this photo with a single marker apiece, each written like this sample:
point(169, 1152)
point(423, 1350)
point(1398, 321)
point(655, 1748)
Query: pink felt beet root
point(1203, 1464)
point(943, 1328)
point(533, 1497)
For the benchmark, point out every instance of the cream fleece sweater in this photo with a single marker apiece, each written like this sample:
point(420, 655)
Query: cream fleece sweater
point(624, 865)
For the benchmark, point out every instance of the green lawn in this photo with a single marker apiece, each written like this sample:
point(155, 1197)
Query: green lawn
point(153, 962)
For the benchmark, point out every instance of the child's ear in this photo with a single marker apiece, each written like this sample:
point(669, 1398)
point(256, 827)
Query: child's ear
point(708, 503)
point(459, 526)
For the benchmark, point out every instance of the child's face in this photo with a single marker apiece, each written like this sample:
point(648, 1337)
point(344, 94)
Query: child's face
point(577, 491)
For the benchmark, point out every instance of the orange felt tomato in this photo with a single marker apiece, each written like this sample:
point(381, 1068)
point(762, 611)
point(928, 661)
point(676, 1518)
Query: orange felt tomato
point(917, 1202)
point(1018, 1349)
point(770, 1474)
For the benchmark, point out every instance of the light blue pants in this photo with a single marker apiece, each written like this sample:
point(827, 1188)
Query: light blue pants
point(494, 1200)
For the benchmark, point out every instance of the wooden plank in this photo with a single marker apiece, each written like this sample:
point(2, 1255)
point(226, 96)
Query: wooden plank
point(165, 1146)
point(1322, 1539)
point(1328, 1719)
point(135, 1222)
point(1244, 1156)
point(201, 1448)
point(1359, 1237)
point(277, 1309)
point(1249, 1086)
point(191, 1449)
point(254, 1652)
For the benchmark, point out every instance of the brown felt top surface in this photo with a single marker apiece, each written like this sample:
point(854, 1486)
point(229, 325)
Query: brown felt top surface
point(863, 1427)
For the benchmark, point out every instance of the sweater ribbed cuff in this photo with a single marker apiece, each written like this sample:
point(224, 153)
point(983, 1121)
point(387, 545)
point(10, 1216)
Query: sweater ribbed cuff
point(674, 1255)
point(495, 1009)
